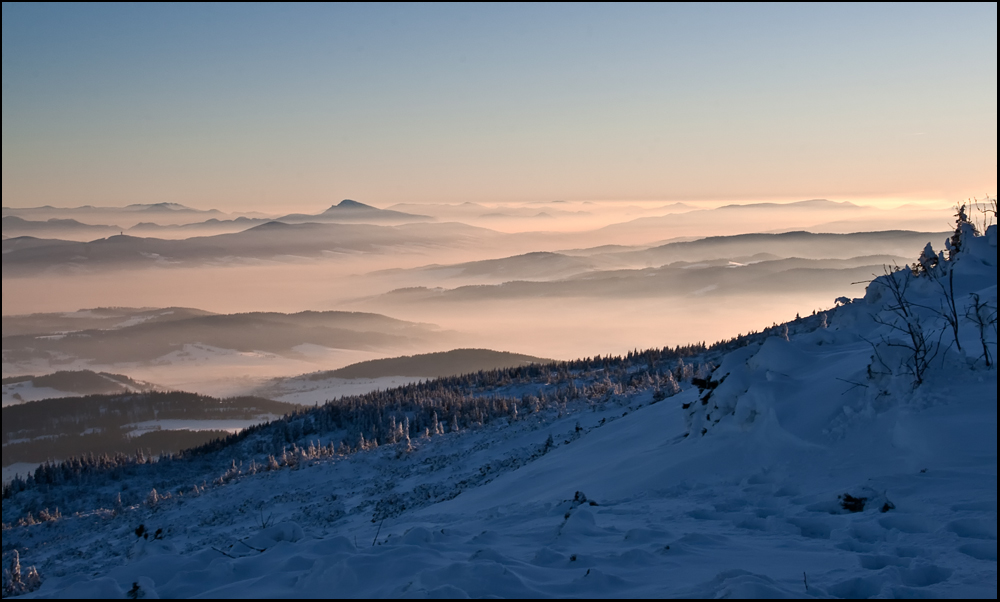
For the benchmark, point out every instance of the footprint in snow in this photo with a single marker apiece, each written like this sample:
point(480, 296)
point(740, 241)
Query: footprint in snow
point(980, 550)
point(971, 528)
point(907, 524)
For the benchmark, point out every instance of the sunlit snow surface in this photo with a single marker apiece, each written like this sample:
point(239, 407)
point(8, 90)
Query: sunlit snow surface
point(624, 505)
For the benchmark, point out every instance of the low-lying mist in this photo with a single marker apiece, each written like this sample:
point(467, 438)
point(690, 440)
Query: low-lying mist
point(561, 280)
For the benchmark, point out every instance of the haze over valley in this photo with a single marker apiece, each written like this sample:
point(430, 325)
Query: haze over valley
point(436, 283)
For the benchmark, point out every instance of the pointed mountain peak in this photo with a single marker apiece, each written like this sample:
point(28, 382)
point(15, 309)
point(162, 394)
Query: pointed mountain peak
point(349, 204)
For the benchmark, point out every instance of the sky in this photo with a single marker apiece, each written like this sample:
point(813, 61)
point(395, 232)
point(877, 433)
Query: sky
point(271, 107)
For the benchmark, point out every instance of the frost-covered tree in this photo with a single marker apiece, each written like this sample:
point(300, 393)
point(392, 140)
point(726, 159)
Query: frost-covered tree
point(704, 371)
point(683, 372)
point(668, 385)
point(16, 581)
point(928, 262)
point(964, 229)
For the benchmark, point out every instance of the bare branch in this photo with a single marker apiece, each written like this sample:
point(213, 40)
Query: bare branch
point(984, 316)
point(920, 344)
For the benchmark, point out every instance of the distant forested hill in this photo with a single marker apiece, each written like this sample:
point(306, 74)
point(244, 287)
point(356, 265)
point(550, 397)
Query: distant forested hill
point(79, 382)
point(106, 424)
point(434, 365)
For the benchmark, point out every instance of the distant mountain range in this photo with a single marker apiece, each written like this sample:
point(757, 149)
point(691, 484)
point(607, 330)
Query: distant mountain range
point(101, 318)
point(15, 222)
point(713, 251)
point(682, 279)
point(135, 207)
point(12, 222)
point(817, 215)
point(788, 244)
point(89, 222)
point(530, 266)
point(129, 213)
point(56, 228)
point(723, 265)
point(173, 221)
point(239, 223)
point(146, 335)
point(73, 230)
point(26, 256)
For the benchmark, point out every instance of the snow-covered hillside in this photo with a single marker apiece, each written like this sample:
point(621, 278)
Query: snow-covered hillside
point(848, 454)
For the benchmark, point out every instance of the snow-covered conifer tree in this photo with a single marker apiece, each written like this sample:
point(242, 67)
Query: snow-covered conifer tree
point(963, 229)
point(704, 371)
point(669, 386)
point(683, 372)
point(928, 261)
point(16, 581)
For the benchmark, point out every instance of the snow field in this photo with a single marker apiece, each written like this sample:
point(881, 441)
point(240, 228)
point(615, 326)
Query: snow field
point(674, 516)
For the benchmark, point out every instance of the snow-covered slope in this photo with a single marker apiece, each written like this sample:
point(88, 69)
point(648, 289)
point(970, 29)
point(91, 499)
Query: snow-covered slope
point(810, 463)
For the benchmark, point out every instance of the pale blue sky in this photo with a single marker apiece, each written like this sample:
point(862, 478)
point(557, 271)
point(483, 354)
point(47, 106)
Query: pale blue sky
point(254, 106)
